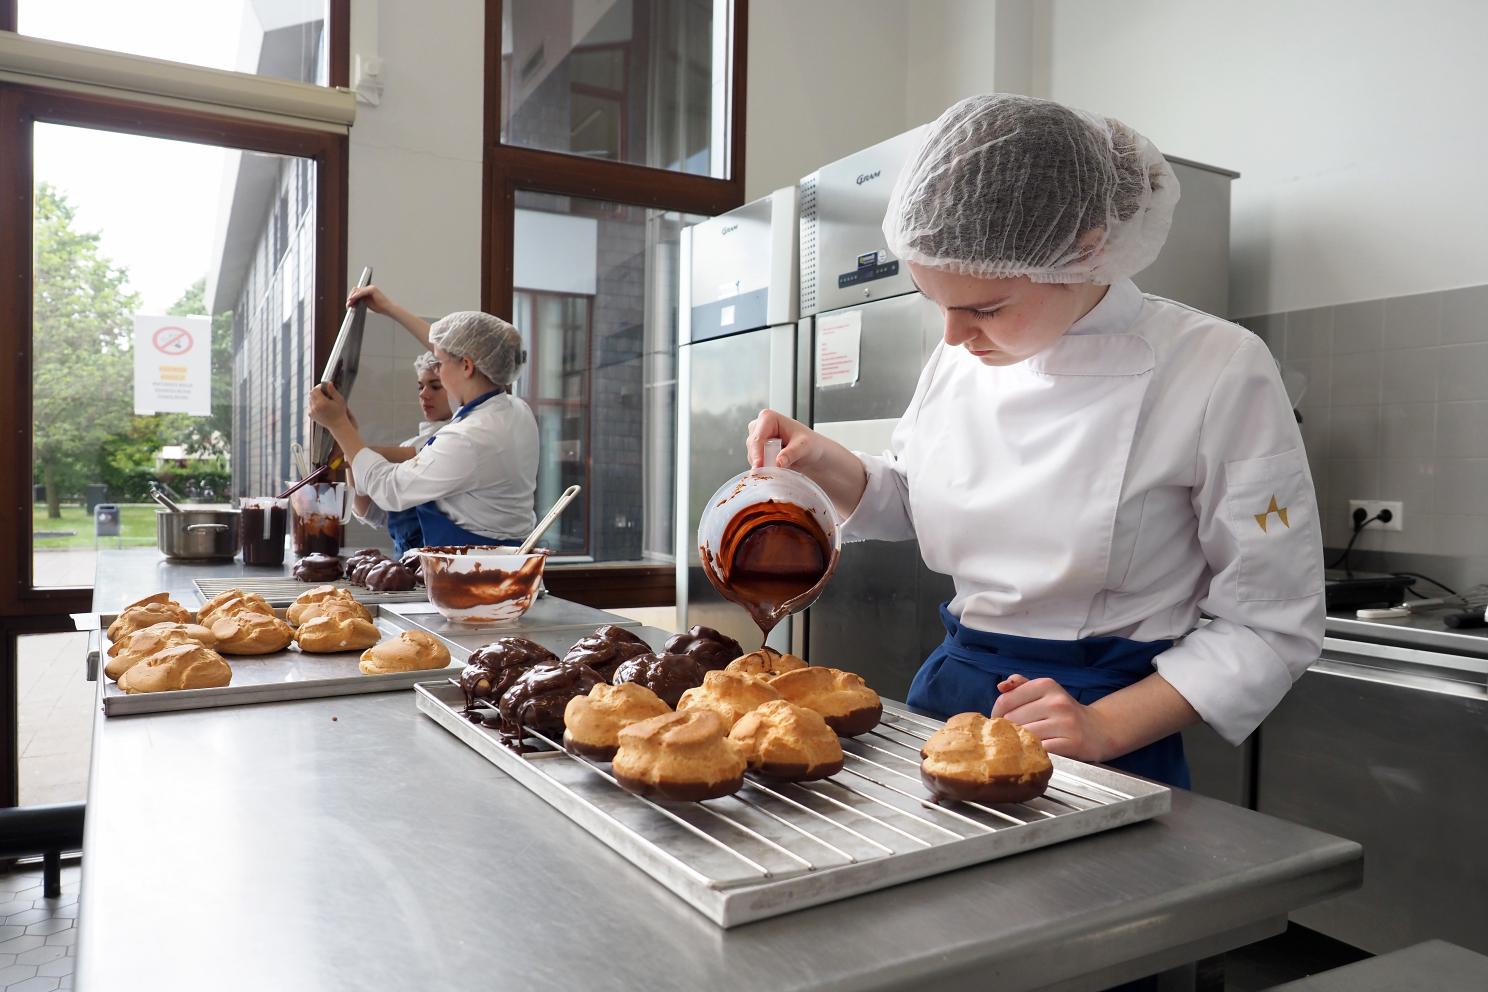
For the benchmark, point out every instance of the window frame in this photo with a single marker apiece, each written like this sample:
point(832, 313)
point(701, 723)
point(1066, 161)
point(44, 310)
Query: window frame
point(21, 107)
point(510, 168)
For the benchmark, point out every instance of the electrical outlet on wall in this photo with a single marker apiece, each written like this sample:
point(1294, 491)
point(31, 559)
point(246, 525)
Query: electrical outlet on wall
point(1372, 507)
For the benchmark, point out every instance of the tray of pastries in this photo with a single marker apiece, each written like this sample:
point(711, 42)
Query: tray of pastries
point(369, 575)
point(753, 784)
point(157, 655)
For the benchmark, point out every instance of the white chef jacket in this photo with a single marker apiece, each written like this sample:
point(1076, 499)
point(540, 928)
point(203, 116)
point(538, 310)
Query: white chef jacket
point(481, 470)
point(376, 516)
point(1144, 467)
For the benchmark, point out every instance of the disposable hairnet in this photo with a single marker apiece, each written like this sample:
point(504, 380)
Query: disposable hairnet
point(490, 342)
point(426, 363)
point(1008, 186)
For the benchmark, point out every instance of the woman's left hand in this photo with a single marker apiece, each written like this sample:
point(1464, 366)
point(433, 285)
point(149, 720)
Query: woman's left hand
point(327, 407)
point(1067, 728)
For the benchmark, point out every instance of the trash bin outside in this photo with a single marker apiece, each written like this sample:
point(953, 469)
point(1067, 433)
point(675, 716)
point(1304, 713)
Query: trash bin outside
point(106, 520)
point(94, 494)
point(38, 494)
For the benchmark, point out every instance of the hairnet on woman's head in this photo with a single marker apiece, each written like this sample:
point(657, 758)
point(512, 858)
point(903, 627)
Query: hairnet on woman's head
point(1008, 186)
point(490, 342)
point(426, 363)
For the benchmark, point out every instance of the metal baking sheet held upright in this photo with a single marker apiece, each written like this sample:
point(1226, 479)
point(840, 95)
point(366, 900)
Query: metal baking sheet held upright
point(773, 847)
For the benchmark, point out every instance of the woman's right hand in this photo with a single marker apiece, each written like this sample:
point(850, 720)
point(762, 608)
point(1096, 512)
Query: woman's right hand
point(377, 300)
point(801, 446)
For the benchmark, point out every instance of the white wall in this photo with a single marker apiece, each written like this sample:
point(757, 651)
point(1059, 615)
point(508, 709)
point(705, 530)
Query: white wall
point(415, 191)
point(1357, 127)
point(826, 78)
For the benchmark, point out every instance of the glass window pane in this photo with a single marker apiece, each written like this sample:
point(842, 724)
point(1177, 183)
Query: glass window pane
point(285, 39)
point(170, 333)
point(596, 303)
point(623, 80)
point(54, 717)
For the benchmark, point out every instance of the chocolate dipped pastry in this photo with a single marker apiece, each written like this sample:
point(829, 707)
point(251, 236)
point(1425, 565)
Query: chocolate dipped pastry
point(351, 562)
point(318, 568)
point(706, 646)
point(537, 699)
point(385, 576)
point(667, 675)
point(765, 662)
point(786, 741)
point(842, 698)
point(414, 562)
point(592, 723)
point(682, 757)
point(323, 599)
point(491, 670)
point(606, 648)
point(184, 666)
point(728, 694)
point(978, 759)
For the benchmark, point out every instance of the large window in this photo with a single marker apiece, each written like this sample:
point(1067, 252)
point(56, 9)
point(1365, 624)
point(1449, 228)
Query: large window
point(624, 80)
point(610, 127)
point(171, 261)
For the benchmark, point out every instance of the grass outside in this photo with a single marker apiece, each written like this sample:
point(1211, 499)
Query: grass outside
point(136, 527)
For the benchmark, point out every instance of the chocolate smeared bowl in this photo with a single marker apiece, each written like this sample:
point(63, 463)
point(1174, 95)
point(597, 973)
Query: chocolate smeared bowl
point(481, 584)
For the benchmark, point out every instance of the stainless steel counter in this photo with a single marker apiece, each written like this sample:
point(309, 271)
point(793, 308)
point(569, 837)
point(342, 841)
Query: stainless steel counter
point(353, 843)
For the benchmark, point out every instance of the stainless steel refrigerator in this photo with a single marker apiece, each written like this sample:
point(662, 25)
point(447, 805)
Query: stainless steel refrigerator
point(879, 616)
point(739, 351)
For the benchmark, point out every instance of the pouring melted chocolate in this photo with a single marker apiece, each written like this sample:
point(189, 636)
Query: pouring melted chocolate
point(772, 560)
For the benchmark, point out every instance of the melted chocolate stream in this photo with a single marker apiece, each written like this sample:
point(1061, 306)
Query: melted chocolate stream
point(772, 560)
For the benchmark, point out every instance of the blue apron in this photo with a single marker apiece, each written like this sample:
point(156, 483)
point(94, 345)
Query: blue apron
point(961, 675)
point(425, 525)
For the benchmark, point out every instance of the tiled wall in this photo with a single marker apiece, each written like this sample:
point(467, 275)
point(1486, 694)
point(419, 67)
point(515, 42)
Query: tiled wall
point(1396, 407)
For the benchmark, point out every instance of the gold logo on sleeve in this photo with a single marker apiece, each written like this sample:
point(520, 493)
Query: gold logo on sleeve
point(1281, 514)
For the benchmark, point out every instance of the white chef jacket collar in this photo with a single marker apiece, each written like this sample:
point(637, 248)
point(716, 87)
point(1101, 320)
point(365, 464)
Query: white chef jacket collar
point(1116, 311)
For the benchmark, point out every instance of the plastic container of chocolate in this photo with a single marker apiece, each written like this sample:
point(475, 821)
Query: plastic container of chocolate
point(481, 584)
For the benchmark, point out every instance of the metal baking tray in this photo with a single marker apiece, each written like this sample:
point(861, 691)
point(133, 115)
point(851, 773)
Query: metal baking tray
point(774, 848)
point(281, 590)
point(268, 678)
point(547, 613)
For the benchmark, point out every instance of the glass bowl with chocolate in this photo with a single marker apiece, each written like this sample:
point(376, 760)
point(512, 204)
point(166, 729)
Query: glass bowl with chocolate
point(482, 584)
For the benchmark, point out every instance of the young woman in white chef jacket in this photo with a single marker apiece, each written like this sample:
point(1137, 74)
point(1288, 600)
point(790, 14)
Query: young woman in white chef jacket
point(1093, 467)
point(474, 481)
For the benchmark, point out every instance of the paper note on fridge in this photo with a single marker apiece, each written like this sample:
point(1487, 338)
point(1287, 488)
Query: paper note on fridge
point(838, 348)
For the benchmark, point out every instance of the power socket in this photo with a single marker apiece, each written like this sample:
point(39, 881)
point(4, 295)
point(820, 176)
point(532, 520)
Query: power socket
point(1372, 507)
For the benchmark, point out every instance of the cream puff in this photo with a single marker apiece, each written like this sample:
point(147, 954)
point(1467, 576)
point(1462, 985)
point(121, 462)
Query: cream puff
point(980, 759)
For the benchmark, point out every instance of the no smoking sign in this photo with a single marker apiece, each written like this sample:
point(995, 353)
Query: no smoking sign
point(172, 341)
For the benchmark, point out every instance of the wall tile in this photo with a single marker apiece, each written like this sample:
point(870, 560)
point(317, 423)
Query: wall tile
point(1462, 430)
point(1411, 481)
point(1412, 321)
point(1464, 372)
point(1358, 327)
point(1410, 376)
point(1460, 536)
point(1270, 328)
point(1316, 428)
point(1353, 479)
point(1317, 374)
point(1356, 379)
point(1354, 432)
point(1309, 333)
point(1461, 484)
point(1408, 430)
point(1465, 315)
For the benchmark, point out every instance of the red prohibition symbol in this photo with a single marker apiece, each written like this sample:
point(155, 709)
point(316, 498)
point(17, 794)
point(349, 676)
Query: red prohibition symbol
point(172, 341)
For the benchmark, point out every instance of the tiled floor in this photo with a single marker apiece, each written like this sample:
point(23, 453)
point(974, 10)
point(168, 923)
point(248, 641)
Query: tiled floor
point(37, 935)
point(56, 718)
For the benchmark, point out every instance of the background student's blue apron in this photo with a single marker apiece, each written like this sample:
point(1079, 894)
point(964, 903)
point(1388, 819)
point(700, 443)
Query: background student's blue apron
point(961, 675)
point(425, 525)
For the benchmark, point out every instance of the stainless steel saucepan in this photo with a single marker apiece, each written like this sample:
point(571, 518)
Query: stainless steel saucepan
point(197, 534)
